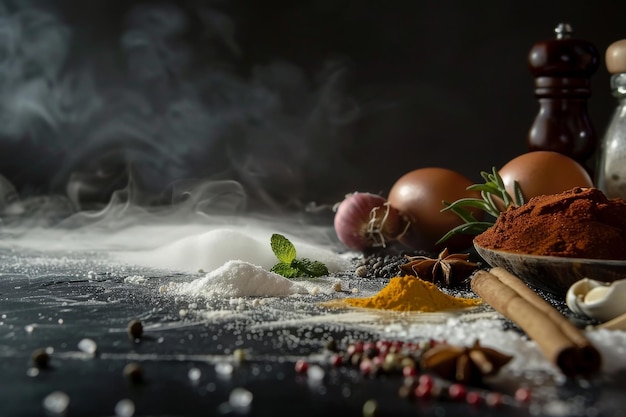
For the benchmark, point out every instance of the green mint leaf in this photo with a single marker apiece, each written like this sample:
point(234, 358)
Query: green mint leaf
point(310, 268)
point(290, 267)
point(285, 270)
point(283, 248)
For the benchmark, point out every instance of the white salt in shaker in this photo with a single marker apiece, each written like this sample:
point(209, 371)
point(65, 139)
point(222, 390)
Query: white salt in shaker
point(611, 170)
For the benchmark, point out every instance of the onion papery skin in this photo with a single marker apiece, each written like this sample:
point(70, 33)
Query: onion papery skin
point(364, 221)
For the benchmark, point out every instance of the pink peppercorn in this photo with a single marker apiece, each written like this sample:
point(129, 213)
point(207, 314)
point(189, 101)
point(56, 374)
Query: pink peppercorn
point(426, 380)
point(356, 347)
point(522, 395)
point(473, 398)
point(457, 391)
point(409, 371)
point(336, 360)
point(383, 344)
point(378, 360)
point(369, 345)
point(301, 366)
point(366, 367)
point(423, 391)
point(494, 399)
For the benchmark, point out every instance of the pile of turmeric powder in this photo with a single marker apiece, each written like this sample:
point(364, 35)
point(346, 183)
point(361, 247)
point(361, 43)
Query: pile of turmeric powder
point(410, 293)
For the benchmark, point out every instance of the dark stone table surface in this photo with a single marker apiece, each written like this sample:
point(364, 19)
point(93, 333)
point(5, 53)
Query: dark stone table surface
point(187, 354)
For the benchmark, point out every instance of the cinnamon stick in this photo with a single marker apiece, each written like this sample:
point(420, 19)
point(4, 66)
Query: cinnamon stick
point(560, 341)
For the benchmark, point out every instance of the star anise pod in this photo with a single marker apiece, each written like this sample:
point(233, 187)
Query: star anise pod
point(467, 365)
point(448, 269)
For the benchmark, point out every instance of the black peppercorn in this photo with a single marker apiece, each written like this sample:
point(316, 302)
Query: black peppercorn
point(134, 373)
point(331, 345)
point(41, 358)
point(135, 329)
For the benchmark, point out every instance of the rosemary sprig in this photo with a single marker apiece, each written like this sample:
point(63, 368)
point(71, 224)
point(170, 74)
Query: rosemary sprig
point(493, 186)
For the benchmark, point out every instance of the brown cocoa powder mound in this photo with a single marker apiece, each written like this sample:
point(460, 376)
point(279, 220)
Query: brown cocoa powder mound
point(578, 223)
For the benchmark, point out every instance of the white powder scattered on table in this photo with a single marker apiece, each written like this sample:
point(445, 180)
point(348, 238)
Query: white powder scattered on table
point(208, 250)
point(237, 278)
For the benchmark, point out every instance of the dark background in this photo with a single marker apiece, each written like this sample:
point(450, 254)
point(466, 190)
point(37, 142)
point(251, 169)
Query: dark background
point(296, 101)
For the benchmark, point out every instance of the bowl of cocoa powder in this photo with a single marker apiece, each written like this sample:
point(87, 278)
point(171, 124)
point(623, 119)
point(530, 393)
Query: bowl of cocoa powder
point(554, 240)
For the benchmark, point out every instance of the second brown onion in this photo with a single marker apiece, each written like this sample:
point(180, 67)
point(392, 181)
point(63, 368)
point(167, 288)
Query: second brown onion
point(419, 195)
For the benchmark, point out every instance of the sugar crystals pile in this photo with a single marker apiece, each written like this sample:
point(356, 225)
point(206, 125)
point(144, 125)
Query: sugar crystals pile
point(237, 278)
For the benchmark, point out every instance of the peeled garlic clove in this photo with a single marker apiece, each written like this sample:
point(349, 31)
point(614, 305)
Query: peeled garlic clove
point(596, 294)
point(598, 300)
point(575, 297)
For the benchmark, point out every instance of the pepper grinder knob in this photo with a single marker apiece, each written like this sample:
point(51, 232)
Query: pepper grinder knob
point(562, 68)
point(616, 57)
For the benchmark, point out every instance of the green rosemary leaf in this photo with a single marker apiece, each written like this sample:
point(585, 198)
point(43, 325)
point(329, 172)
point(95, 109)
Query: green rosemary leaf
point(467, 202)
point(494, 199)
point(486, 176)
point(464, 214)
point(474, 228)
point(494, 210)
point(519, 197)
point(488, 188)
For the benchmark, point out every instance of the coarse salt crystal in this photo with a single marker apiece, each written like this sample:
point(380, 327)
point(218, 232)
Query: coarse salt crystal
point(194, 374)
point(135, 279)
point(88, 346)
point(56, 402)
point(315, 373)
point(224, 368)
point(240, 398)
point(125, 408)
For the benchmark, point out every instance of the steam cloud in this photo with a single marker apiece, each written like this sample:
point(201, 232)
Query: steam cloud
point(161, 111)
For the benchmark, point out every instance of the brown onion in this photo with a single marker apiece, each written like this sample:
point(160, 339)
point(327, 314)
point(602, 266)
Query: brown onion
point(419, 195)
point(364, 221)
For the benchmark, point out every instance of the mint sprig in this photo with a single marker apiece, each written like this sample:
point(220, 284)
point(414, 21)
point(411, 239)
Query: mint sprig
point(288, 265)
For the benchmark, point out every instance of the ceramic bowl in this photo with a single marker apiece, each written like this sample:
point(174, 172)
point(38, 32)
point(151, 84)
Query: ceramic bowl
point(553, 274)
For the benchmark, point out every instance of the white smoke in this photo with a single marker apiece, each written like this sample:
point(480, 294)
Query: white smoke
point(33, 48)
point(150, 109)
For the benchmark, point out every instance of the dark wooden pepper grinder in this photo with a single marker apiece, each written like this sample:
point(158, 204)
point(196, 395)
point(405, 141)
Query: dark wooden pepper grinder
point(562, 68)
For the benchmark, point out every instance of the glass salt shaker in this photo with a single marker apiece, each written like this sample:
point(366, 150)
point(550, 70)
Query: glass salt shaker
point(611, 171)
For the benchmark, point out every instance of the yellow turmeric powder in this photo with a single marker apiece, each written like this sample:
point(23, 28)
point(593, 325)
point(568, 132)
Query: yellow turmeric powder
point(409, 293)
